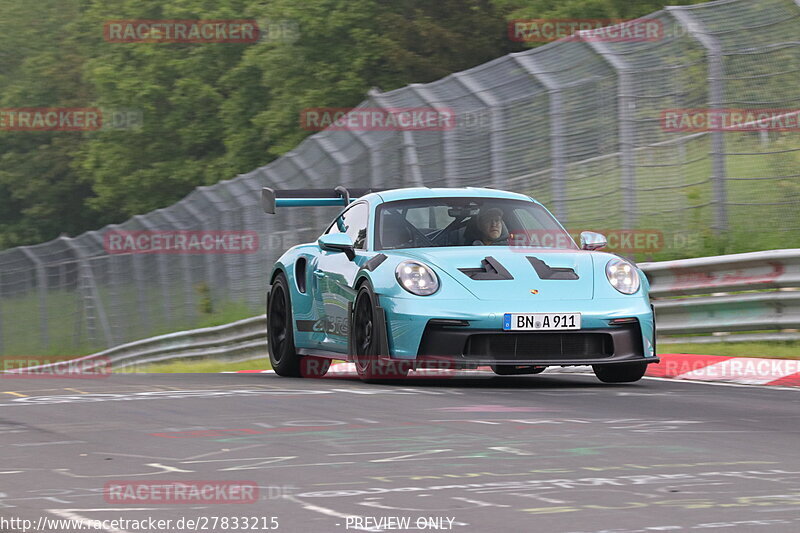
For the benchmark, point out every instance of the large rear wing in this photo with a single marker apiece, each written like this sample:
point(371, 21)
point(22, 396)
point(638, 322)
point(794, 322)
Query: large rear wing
point(340, 196)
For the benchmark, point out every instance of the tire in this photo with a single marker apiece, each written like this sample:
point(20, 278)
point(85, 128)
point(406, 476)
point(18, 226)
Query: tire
point(365, 341)
point(514, 370)
point(620, 373)
point(282, 352)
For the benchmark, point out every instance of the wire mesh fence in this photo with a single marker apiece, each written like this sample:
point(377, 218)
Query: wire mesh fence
point(579, 124)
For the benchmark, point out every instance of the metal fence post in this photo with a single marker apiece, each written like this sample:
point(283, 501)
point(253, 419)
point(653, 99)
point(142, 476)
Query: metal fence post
point(187, 285)
point(87, 289)
point(327, 146)
point(493, 105)
point(716, 87)
point(246, 267)
point(409, 145)
point(428, 99)
point(292, 216)
point(557, 152)
point(627, 129)
point(316, 180)
point(211, 270)
point(374, 159)
point(165, 296)
point(220, 282)
point(41, 286)
point(145, 314)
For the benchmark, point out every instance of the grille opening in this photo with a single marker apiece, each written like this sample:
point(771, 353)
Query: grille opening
point(300, 274)
point(540, 346)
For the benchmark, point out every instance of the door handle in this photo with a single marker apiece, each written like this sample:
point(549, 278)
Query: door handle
point(319, 274)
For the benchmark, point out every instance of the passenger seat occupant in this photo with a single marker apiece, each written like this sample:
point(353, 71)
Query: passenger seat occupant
point(488, 229)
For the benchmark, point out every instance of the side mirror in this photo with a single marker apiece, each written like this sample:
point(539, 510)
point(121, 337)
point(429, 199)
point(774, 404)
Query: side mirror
point(592, 241)
point(338, 242)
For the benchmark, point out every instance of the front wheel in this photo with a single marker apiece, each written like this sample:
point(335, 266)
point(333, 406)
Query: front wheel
point(283, 355)
point(365, 341)
point(620, 373)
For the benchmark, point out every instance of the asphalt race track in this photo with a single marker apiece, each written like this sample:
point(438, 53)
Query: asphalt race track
point(546, 453)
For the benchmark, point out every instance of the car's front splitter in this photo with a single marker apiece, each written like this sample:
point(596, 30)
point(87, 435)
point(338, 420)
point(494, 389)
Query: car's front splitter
point(452, 363)
point(617, 344)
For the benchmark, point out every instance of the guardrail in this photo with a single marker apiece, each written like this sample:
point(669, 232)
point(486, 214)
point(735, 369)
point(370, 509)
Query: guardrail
point(752, 292)
point(771, 269)
point(238, 341)
point(688, 297)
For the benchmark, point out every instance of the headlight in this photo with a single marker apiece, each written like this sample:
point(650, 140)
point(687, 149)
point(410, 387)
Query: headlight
point(622, 276)
point(416, 278)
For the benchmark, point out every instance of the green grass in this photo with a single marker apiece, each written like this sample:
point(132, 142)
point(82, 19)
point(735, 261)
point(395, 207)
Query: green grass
point(769, 350)
point(203, 366)
point(227, 313)
point(762, 213)
point(67, 328)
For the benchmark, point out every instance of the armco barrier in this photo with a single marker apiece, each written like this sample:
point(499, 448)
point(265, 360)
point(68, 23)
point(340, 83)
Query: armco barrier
point(728, 293)
point(774, 275)
point(770, 269)
point(242, 340)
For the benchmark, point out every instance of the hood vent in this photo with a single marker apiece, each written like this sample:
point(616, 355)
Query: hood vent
point(491, 269)
point(546, 272)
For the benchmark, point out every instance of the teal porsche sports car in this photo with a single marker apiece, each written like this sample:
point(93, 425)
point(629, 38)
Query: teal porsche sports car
point(452, 278)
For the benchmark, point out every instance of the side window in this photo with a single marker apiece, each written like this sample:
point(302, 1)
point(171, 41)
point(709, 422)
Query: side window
point(338, 225)
point(529, 222)
point(355, 224)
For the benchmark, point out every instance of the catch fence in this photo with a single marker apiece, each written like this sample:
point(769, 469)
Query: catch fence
point(579, 124)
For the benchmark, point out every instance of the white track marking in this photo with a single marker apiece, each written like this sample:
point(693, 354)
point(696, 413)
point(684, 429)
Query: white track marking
point(329, 512)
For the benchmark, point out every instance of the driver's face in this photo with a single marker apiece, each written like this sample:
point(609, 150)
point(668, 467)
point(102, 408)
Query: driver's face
point(492, 227)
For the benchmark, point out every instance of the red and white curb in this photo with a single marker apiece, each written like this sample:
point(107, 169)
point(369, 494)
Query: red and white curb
point(744, 370)
point(712, 368)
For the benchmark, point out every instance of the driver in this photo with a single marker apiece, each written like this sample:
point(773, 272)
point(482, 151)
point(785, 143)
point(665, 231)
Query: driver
point(490, 228)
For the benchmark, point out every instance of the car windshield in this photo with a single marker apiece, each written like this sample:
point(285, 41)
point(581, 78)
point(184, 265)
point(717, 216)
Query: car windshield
point(433, 222)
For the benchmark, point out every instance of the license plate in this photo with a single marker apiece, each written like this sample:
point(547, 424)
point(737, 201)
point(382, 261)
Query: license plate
point(541, 321)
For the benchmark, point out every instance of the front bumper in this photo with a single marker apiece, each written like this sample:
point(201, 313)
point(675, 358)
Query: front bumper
point(418, 329)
